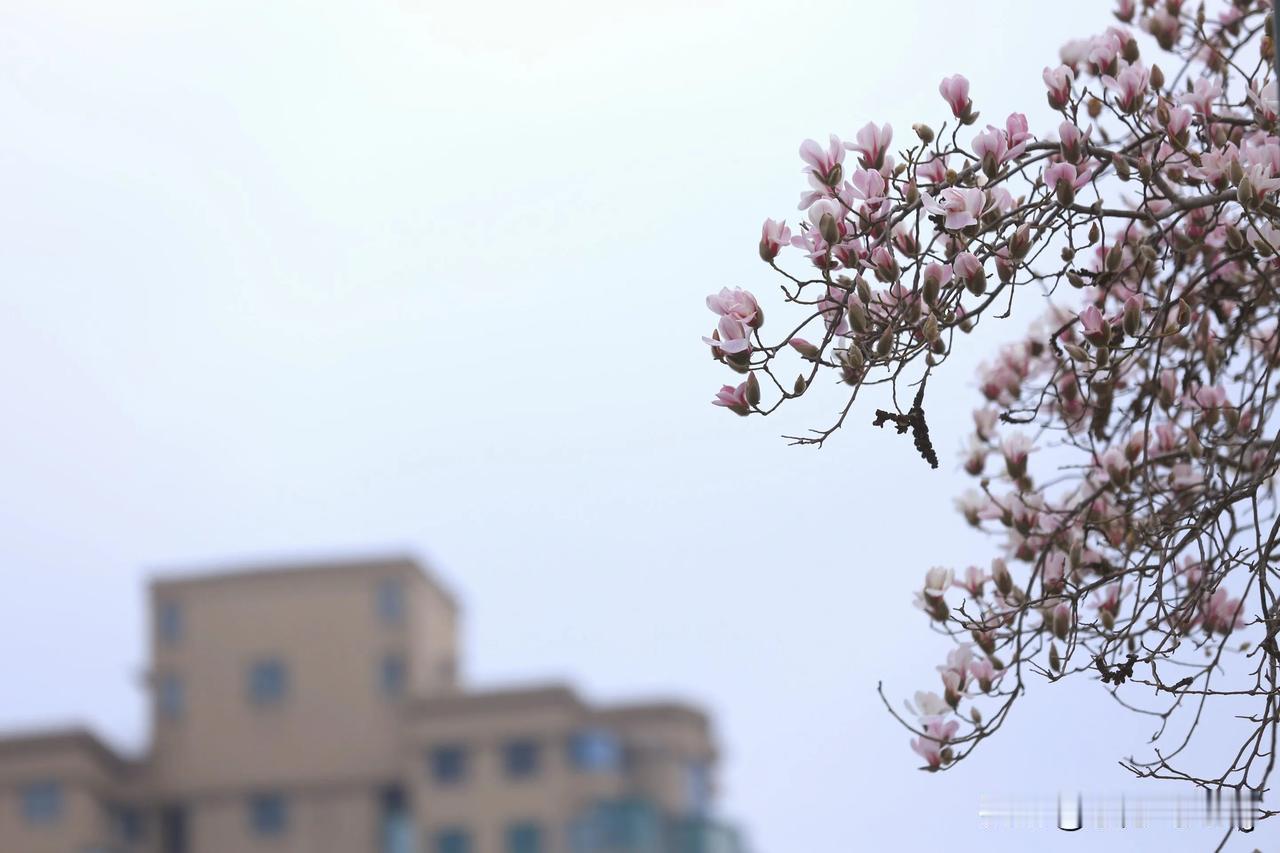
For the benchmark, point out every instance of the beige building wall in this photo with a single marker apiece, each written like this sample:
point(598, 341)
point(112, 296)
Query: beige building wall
point(85, 774)
point(335, 722)
point(337, 741)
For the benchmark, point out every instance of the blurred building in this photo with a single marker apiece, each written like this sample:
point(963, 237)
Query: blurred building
point(317, 709)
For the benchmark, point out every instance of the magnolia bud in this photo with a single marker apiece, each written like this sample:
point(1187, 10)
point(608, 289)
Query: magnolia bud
point(1000, 574)
point(1061, 622)
point(1132, 316)
point(1108, 620)
point(1194, 446)
point(1020, 242)
point(1122, 167)
point(1246, 194)
point(1115, 257)
point(884, 346)
point(864, 289)
point(854, 358)
point(806, 349)
point(1101, 356)
point(753, 389)
point(975, 715)
point(800, 386)
point(1234, 238)
point(1076, 352)
point(828, 229)
point(1184, 313)
point(1157, 78)
point(1055, 662)
point(1236, 171)
point(931, 329)
point(1130, 50)
point(858, 315)
point(924, 132)
point(929, 290)
point(977, 283)
point(1231, 417)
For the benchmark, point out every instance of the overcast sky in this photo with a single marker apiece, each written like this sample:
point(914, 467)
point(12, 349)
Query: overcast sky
point(284, 279)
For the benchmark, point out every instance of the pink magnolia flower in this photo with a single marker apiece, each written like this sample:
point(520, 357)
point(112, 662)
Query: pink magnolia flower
point(1221, 613)
point(773, 236)
point(736, 303)
point(733, 399)
point(823, 164)
point(1208, 398)
point(958, 660)
point(1129, 86)
point(971, 503)
point(1114, 464)
point(927, 704)
point(1261, 180)
point(933, 170)
point(1059, 81)
point(730, 336)
point(1055, 570)
point(872, 144)
point(1061, 179)
point(1015, 449)
point(1096, 329)
point(1201, 97)
point(967, 267)
point(937, 581)
point(1179, 122)
point(1264, 101)
point(984, 672)
point(870, 186)
point(937, 733)
point(955, 91)
point(984, 421)
point(992, 149)
point(974, 579)
point(960, 207)
point(1016, 129)
point(1073, 141)
point(937, 274)
point(1184, 476)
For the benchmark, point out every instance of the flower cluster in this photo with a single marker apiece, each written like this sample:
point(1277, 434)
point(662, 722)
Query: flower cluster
point(1123, 449)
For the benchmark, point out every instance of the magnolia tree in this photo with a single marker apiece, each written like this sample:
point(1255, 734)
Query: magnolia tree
point(1123, 450)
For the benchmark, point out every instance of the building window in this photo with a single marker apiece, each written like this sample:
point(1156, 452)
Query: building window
point(520, 758)
point(392, 674)
point(452, 840)
point(449, 764)
point(397, 832)
point(171, 696)
point(595, 751)
point(697, 785)
point(41, 802)
point(169, 622)
point(391, 601)
point(268, 814)
point(127, 824)
point(524, 838)
point(173, 828)
point(268, 682)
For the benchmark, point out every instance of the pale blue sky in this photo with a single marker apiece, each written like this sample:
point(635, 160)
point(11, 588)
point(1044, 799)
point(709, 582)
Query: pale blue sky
point(288, 279)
